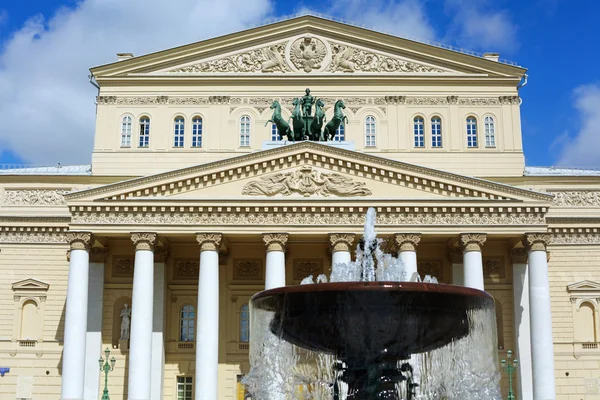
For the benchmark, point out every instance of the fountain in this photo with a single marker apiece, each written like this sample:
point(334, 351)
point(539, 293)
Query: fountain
point(373, 333)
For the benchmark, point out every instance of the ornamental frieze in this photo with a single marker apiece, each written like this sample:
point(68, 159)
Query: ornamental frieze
point(578, 198)
point(485, 101)
point(34, 197)
point(57, 237)
point(307, 182)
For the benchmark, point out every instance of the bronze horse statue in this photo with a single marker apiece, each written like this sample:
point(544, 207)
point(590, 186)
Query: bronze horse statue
point(298, 121)
point(282, 126)
point(317, 122)
point(336, 121)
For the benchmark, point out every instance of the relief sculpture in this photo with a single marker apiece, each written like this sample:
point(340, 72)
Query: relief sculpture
point(307, 182)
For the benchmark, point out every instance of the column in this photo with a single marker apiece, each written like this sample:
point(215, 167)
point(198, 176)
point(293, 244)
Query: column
point(542, 347)
point(207, 325)
point(161, 254)
point(140, 338)
point(341, 245)
point(407, 252)
point(93, 343)
point(275, 275)
point(73, 362)
point(471, 244)
point(522, 330)
point(455, 256)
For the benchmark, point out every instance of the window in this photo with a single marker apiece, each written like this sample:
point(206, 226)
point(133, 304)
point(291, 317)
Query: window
point(184, 388)
point(144, 132)
point(340, 134)
point(178, 132)
point(245, 131)
point(370, 131)
point(244, 324)
point(419, 131)
point(275, 136)
point(126, 132)
point(187, 323)
point(197, 132)
point(490, 132)
point(436, 132)
point(471, 132)
point(29, 321)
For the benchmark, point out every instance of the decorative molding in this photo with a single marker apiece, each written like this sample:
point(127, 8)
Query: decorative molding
point(143, 240)
point(79, 240)
point(98, 254)
point(426, 101)
point(509, 100)
point(341, 241)
point(33, 235)
point(304, 267)
point(432, 268)
point(186, 269)
point(478, 101)
point(248, 269)
point(307, 182)
point(34, 197)
point(494, 268)
point(209, 241)
point(577, 198)
point(537, 241)
point(518, 255)
point(307, 53)
point(472, 241)
point(275, 241)
point(407, 241)
point(575, 236)
point(122, 266)
point(184, 101)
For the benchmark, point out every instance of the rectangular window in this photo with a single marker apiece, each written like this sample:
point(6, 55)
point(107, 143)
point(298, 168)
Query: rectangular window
point(340, 134)
point(275, 136)
point(184, 388)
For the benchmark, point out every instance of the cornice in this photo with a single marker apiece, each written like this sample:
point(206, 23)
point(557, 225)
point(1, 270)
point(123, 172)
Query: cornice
point(570, 235)
point(310, 153)
point(49, 235)
point(34, 220)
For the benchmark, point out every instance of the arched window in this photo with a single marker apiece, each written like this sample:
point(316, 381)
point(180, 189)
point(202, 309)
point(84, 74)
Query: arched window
point(490, 132)
point(29, 321)
point(275, 136)
point(436, 132)
point(187, 322)
point(585, 323)
point(370, 131)
point(471, 132)
point(144, 132)
point(197, 132)
point(419, 131)
point(245, 131)
point(126, 132)
point(244, 324)
point(340, 134)
point(178, 131)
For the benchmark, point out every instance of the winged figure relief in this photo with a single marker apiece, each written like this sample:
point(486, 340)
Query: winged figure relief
point(308, 53)
point(341, 59)
point(274, 59)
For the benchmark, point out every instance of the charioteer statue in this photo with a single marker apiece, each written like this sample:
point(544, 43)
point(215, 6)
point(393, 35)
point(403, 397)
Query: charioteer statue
point(305, 126)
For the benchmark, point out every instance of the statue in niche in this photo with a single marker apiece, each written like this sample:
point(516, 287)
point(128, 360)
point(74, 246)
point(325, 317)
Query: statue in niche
point(125, 322)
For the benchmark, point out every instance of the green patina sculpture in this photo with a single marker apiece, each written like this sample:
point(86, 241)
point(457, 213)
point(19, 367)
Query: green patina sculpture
point(305, 126)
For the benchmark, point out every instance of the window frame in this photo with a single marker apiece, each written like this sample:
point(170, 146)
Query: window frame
point(472, 136)
point(487, 135)
point(275, 133)
point(370, 131)
point(185, 385)
point(130, 129)
point(439, 134)
point(245, 130)
point(179, 132)
point(188, 319)
point(197, 134)
point(145, 136)
point(340, 133)
point(418, 136)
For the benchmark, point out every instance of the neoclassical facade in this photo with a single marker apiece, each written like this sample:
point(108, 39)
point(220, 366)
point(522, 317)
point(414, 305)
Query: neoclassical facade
point(194, 202)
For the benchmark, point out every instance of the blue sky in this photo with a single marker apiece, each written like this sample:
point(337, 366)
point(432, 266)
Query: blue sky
point(46, 47)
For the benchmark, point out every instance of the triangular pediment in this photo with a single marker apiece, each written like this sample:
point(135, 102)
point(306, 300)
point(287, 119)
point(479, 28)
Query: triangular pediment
point(304, 45)
point(309, 171)
point(584, 286)
point(30, 285)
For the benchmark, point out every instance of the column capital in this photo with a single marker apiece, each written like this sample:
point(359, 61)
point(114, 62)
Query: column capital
point(143, 240)
point(79, 240)
point(209, 241)
point(407, 241)
point(341, 241)
point(275, 241)
point(98, 254)
point(518, 255)
point(536, 241)
point(472, 241)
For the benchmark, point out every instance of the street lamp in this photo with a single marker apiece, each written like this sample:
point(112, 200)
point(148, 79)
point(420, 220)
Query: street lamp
point(510, 367)
point(106, 367)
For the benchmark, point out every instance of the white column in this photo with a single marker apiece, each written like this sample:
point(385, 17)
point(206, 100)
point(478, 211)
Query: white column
point(341, 245)
point(207, 325)
point(455, 256)
point(522, 330)
point(158, 344)
point(73, 362)
point(275, 271)
point(472, 261)
point(407, 253)
point(93, 343)
point(140, 339)
point(542, 346)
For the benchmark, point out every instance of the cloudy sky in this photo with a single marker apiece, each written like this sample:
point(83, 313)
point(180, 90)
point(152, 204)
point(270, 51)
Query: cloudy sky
point(47, 46)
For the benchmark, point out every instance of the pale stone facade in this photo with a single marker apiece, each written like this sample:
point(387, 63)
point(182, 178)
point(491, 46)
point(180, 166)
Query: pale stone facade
point(243, 212)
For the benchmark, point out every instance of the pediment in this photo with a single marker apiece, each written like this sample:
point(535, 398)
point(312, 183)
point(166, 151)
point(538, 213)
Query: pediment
point(584, 286)
point(30, 285)
point(308, 171)
point(307, 45)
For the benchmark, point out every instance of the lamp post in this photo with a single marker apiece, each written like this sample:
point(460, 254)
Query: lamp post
point(106, 368)
point(510, 367)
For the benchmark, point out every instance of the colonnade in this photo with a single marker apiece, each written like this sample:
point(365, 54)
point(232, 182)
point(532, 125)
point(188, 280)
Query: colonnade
point(531, 294)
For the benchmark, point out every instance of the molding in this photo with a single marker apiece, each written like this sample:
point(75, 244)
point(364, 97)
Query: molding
point(34, 197)
point(584, 286)
point(575, 236)
point(42, 235)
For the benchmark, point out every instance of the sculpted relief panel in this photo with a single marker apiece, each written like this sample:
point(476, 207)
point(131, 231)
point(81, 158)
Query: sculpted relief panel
point(579, 198)
point(34, 197)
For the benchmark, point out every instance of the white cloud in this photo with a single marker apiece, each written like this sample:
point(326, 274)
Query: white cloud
point(46, 103)
point(476, 25)
point(583, 150)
